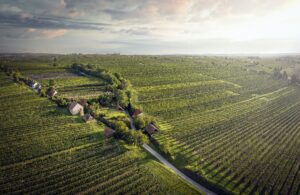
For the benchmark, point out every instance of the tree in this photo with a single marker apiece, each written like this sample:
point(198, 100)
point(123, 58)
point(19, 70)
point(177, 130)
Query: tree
point(106, 99)
point(140, 138)
point(284, 75)
point(165, 148)
point(139, 122)
point(61, 102)
point(121, 127)
point(89, 66)
point(16, 76)
point(43, 93)
point(276, 73)
point(122, 98)
point(294, 79)
point(54, 61)
point(51, 83)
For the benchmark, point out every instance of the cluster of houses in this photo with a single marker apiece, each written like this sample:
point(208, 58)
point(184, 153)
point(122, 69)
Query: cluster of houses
point(150, 129)
point(76, 108)
point(35, 86)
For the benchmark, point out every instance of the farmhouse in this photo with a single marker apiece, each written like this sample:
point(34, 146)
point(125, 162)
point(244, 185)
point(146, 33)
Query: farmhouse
point(108, 132)
point(75, 108)
point(150, 129)
point(87, 118)
point(137, 112)
point(51, 92)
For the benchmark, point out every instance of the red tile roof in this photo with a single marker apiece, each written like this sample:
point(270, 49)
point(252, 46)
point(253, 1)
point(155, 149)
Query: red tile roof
point(108, 132)
point(137, 112)
point(87, 117)
point(150, 128)
point(83, 102)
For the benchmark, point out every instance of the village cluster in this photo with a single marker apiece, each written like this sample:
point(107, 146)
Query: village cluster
point(79, 107)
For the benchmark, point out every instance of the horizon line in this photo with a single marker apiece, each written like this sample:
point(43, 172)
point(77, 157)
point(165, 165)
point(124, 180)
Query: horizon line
point(150, 54)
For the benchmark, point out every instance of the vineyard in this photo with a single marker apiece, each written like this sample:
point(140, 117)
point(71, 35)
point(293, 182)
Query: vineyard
point(237, 128)
point(45, 150)
point(223, 118)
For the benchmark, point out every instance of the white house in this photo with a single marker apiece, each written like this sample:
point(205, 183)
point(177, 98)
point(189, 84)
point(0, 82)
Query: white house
point(75, 108)
point(33, 85)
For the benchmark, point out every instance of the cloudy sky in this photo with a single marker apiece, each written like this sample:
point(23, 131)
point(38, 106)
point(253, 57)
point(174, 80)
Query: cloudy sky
point(150, 26)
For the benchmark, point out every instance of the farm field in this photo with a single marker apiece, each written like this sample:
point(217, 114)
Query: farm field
point(67, 83)
point(45, 150)
point(230, 123)
point(235, 127)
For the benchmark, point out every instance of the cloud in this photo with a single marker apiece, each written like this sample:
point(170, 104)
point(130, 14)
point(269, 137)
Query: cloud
point(12, 16)
point(53, 33)
point(149, 25)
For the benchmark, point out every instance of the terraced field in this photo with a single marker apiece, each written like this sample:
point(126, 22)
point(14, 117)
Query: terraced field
point(45, 150)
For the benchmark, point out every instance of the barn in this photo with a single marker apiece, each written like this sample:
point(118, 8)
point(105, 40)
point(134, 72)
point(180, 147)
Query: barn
point(150, 129)
point(75, 108)
point(88, 118)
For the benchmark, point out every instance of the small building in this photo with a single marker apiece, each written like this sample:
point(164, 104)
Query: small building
point(75, 108)
point(108, 132)
point(38, 87)
point(33, 85)
point(83, 102)
point(88, 118)
point(51, 92)
point(137, 112)
point(150, 129)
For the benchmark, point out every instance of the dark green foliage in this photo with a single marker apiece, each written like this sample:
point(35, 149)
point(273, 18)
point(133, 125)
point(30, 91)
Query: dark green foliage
point(51, 83)
point(294, 79)
point(16, 76)
point(42, 93)
point(106, 99)
point(284, 75)
point(139, 122)
point(122, 98)
point(130, 136)
point(165, 149)
point(61, 102)
point(279, 74)
point(120, 87)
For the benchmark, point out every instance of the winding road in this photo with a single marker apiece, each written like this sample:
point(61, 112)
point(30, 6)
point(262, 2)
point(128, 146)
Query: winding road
point(172, 167)
point(179, 173)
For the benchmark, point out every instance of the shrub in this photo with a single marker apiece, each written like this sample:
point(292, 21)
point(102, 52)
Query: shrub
point(61, 102)
point(139, 122)
point(106, 99)
point(51, 83)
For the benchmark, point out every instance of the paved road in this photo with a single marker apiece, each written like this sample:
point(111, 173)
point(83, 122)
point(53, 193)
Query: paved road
point(131, 120)
point(183, 176)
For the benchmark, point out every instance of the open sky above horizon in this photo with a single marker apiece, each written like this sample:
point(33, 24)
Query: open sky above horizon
point(150, 26)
